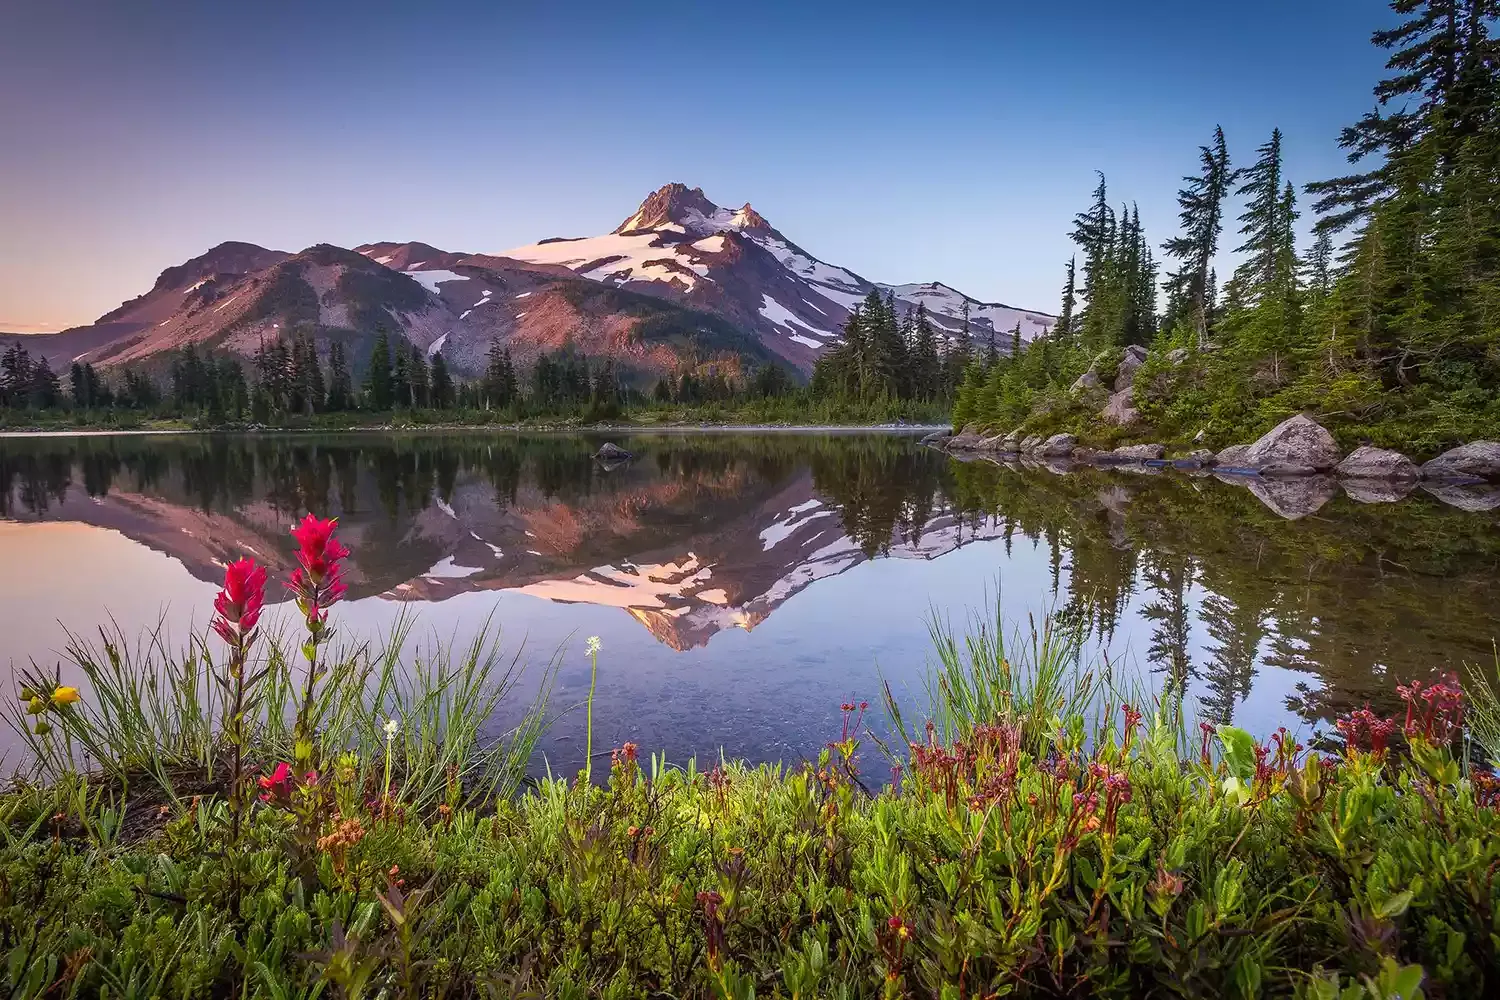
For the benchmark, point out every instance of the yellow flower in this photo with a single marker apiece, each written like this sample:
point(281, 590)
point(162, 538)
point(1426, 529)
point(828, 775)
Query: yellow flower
point(65, 696)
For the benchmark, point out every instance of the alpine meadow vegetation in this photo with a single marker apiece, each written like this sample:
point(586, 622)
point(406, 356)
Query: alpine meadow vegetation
point(264, 818)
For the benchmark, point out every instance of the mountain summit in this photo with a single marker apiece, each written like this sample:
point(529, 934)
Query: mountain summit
point(680, 283)
point(681, 246)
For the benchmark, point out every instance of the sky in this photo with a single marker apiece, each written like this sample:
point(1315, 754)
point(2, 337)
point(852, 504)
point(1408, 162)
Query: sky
point(907, 142)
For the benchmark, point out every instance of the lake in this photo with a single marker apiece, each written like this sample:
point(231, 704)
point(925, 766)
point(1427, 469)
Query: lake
point(745, 585)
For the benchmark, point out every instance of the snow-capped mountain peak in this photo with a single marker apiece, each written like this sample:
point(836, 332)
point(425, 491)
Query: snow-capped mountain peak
point(732, 262)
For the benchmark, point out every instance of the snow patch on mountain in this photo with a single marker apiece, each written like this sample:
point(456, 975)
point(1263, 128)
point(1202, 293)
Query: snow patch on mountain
point(437, 276)
point(782, 316)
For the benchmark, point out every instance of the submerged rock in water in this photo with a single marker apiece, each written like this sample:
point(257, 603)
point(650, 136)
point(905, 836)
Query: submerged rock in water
point(1377, 463)
point(1200, 457)
point(611, 452)
point(1366, 490)
point(1291, 498)
point(1475, 460)
point(937, 437)
point(1475, 498)
point(1297, 443)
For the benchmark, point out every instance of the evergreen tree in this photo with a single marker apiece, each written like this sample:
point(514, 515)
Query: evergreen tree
point(380, 378)
point(1263, 221)
point(340, 386)
point(401, 390)
point(1201, 207)
point(441, 393)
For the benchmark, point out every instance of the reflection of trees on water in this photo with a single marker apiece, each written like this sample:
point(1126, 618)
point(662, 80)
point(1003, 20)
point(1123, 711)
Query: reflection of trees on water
point(1351, 598)
point(1170, 577)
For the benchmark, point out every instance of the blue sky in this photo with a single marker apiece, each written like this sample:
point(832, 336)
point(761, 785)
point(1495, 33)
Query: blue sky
point(909, 142)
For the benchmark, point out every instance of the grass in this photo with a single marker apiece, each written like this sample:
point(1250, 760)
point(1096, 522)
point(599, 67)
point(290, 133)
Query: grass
point(153, 714)
point(1034, 842)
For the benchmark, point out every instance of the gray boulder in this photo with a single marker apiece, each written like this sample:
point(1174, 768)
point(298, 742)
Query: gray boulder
point(611, 452)
point(1088, 380)
point(1236, 456)
point(1138, 452)
point(1377, 490)
point(1121, 409)
point(1177, 355)
point(1297, 443)
point(1030, 443)
point(1377, 463)
point(937, 437)
point(1058, 446)
point(966, 439)
point(995, 442)
point(1475, 460)
point(1476, 498)
point(1202, 456)
point(1135, 356)
point(1011, 442)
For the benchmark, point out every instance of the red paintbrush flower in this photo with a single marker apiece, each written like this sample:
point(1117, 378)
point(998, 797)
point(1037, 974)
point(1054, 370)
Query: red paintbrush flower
point(277, 784)
point(318, 581)
point(320, 551)
point(238, 606)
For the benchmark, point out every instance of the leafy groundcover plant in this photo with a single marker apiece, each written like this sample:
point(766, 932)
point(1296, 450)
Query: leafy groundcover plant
point(1007, 856)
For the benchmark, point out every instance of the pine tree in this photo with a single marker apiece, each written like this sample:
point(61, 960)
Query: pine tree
point(1063, 331)
point(1200, 210)
point(340, 386)
point(401, 391)
point(1262, 220)
point(380, 378)
point(441, 394)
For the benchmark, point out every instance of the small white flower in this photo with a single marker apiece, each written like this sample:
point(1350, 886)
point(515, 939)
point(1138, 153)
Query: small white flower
point(392, 727)
point(594, 645)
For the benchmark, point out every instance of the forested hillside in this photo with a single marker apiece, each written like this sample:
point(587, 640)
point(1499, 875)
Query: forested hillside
point(1384, 325)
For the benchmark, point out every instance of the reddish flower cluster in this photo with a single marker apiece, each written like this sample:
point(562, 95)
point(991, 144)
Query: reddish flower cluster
point(238, 606)
point(1364, 730)
point(713, 925)
point(278, 785)
point(318, 582)
point(1435, 712)
point(1132, 721)
point(1486, 789)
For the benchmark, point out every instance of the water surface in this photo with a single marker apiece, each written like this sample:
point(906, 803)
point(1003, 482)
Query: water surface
point(744, 585)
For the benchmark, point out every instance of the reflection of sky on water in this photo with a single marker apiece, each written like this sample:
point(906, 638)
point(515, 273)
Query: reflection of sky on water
point(770, 693)
point(731, 579)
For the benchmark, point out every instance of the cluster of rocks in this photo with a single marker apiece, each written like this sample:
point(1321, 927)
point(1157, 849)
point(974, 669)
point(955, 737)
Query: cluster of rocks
point(1297, 465)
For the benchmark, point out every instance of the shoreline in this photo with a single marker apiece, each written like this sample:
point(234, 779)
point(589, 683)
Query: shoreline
point(503, 429)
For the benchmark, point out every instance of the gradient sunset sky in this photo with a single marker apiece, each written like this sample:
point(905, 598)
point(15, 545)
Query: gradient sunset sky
point(909, 142)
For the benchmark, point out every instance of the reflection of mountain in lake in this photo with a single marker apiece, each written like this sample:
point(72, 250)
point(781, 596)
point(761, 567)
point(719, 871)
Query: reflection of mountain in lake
point(705, 533)
point(688, 543)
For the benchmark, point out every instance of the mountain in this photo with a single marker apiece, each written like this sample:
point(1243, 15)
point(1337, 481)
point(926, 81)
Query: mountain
point(680, 283)
point(734, 263)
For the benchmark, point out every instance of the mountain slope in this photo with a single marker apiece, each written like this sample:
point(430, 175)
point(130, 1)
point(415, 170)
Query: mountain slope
point(681, 283)
point(681, 246)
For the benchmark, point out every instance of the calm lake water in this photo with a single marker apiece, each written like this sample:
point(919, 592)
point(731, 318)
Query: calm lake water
point(744, 585)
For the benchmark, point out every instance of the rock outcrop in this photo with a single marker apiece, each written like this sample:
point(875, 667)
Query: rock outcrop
point(1121, 409)
point(1137, 453)
point(1236, 456)
point(1058, 446)
point(967, 439)
point(1088, 380)
point(1475, 460)
point(1377, 463)
point(937, 437)
point(611, 452)
point(1135, 356)
point(1030, 444)
point(1298, 445)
